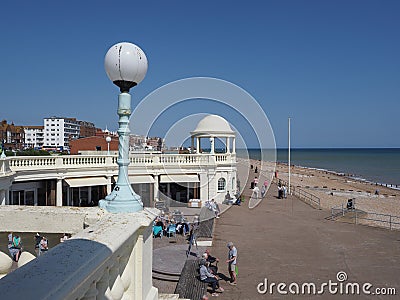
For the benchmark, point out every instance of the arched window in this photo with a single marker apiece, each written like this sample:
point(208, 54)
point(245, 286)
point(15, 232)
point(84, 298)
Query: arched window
point(221, 184)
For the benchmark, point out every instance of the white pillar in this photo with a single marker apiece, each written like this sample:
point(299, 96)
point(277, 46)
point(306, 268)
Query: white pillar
point(192, 145)
point(197, 145)
point(2, 197)
point(59, 192)
point(234, 145)
point(156, 184)
point(7, 199)
point(204, 186)
point(228, 145)
point(212, 145)
point(108, 185)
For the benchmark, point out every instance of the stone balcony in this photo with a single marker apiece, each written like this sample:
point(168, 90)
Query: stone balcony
point(111, 259)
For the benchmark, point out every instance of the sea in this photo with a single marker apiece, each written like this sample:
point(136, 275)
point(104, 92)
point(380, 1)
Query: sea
point(377, 165)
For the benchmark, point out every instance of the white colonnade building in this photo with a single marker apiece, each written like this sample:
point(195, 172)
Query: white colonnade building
point(112, 258)
point(82, 180)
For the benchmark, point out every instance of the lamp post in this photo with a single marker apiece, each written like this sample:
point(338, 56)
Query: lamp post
point(108, 140)
point(126, 66)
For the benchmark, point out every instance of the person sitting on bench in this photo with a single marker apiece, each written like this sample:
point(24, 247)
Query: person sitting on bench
point(206, 276)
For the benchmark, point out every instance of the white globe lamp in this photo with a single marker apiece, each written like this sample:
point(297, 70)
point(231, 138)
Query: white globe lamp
point(126, 66)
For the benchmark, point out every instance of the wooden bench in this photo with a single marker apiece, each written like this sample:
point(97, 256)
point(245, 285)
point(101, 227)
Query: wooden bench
point(189, 285)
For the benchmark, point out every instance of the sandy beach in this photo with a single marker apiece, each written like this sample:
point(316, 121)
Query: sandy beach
point(332, 189)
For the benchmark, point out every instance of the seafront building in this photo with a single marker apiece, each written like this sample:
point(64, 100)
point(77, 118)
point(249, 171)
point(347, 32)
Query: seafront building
point(34, 136)
point(12, 136)
point(58, 131)
point(112, 258)
point(82, 180)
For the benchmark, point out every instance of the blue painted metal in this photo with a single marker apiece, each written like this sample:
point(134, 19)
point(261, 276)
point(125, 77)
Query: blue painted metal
point(123, 198)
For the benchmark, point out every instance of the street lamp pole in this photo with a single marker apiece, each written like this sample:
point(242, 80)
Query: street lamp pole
point(126, 66)
point(108, 140)
point(289, 191)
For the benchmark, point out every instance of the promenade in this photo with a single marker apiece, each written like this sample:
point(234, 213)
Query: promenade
point(288, 241)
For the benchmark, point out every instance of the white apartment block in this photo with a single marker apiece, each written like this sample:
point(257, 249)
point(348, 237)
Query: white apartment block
point(34, 136)
point(58, 131)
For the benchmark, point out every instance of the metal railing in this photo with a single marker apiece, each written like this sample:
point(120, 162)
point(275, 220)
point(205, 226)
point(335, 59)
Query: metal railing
point(306, 197)
point(365, 217)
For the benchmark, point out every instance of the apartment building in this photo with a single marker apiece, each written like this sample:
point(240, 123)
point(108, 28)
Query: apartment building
point(34, 136)
point(59, 131)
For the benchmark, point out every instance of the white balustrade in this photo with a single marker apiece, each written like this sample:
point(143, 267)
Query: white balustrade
point(4, 166)
point(100, 163)
point(31, 162)
point(73, 160)
point(111, 259)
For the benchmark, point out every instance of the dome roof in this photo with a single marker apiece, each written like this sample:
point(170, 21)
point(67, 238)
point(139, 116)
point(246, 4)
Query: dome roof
point(213, 124)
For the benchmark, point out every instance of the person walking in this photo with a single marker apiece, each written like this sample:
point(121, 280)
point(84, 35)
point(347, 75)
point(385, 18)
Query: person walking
point(232, 256)
point(255, 193)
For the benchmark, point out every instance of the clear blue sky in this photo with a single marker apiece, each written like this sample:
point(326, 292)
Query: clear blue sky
point(333, 66)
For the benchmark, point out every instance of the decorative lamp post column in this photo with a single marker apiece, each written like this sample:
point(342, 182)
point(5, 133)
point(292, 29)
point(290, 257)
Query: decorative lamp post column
point(108, 140)
point(126, 66)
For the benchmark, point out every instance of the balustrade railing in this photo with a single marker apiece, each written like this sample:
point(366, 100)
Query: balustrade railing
point(24, 163)
point(4, 167)
point(83, 160)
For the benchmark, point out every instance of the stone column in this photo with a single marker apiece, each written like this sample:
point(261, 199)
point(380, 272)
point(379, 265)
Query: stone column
point(204, 187)
point(228, 145)
point(2, 197)
point(7, 197)
point(59, 192)
point(192, 145)
point(212, 145)
point(197, 145)
point(156, 184)
point(234, 145)
point(108, 185)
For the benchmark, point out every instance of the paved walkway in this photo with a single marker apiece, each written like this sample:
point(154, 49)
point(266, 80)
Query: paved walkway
point(288, 241)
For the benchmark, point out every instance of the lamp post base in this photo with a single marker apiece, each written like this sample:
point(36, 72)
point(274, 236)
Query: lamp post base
point(122, 200)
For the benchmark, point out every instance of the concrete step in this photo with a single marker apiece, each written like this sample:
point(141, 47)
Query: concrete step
point(165, 277)
point(168, 297)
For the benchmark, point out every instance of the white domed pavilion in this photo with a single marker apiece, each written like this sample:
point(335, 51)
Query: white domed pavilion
point(212, 127)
